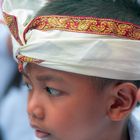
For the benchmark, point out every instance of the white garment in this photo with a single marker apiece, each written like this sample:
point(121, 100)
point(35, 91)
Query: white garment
point(134, 124)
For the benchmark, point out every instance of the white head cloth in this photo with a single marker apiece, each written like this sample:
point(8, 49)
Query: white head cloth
point(83, 53)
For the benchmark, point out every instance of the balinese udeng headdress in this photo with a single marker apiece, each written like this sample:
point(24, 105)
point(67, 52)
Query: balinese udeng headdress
point(85, 45)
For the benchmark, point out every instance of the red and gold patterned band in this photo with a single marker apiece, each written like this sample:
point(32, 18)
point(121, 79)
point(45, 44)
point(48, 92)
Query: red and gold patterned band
point(23, 59)
point(11, 22)
point(90, 25)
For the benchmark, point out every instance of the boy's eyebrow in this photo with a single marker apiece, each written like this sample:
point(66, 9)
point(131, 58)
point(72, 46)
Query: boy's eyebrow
point(45, 78)
point(49, 78)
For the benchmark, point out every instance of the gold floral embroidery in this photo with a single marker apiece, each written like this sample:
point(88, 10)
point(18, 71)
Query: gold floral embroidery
point(73, 24)
point(12, 24)
point(22, 58)
point(27, 59)
point(86, 25)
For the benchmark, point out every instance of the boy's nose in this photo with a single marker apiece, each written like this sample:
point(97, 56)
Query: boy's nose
point(37, 114)
point(35, 108)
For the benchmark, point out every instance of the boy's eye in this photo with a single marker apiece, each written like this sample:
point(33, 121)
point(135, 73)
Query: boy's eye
point(52, 91)
point(29, 86)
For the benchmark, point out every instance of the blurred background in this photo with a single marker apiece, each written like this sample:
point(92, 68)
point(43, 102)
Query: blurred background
point(14, 123)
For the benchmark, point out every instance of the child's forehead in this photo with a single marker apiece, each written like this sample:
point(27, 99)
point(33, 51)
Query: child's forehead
point(58, 76)
point(38, 76)
point(47, 74)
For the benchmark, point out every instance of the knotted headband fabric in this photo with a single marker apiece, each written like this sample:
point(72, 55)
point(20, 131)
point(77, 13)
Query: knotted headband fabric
point(84, 45)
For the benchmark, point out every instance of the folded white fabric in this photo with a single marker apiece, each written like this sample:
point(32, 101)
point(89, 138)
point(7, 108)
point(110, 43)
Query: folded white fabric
point(84, 45)
point(88, 54)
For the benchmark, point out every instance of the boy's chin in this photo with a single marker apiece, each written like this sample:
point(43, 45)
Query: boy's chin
point(41, 139)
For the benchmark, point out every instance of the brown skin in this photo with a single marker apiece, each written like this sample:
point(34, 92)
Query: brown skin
point(74, 109)
point(138, 95)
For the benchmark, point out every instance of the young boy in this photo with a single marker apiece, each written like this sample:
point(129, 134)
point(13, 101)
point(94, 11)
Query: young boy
point(80, 61)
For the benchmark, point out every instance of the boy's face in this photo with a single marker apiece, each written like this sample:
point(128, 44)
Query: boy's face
point(64, 106)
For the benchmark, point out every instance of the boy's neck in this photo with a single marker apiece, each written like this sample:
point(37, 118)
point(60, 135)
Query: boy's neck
point(126, 135)
point(119, 132)
point(123, 133)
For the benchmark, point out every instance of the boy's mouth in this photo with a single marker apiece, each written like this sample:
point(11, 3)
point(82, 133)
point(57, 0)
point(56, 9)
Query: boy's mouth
point(40, 133)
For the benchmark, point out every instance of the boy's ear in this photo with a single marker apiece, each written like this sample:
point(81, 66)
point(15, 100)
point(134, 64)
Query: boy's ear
point(122, 100)
point(138, 95)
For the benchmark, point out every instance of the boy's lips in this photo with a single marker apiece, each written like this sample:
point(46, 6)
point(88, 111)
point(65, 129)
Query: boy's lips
point(40, 133)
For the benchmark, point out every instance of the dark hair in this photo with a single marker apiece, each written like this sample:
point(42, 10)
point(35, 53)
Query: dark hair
point(124, 10)
point(104, 82)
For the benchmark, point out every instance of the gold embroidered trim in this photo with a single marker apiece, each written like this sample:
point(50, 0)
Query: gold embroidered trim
point(23, 59)
point(85, 25)
point(11, 22)
point(90, 25)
